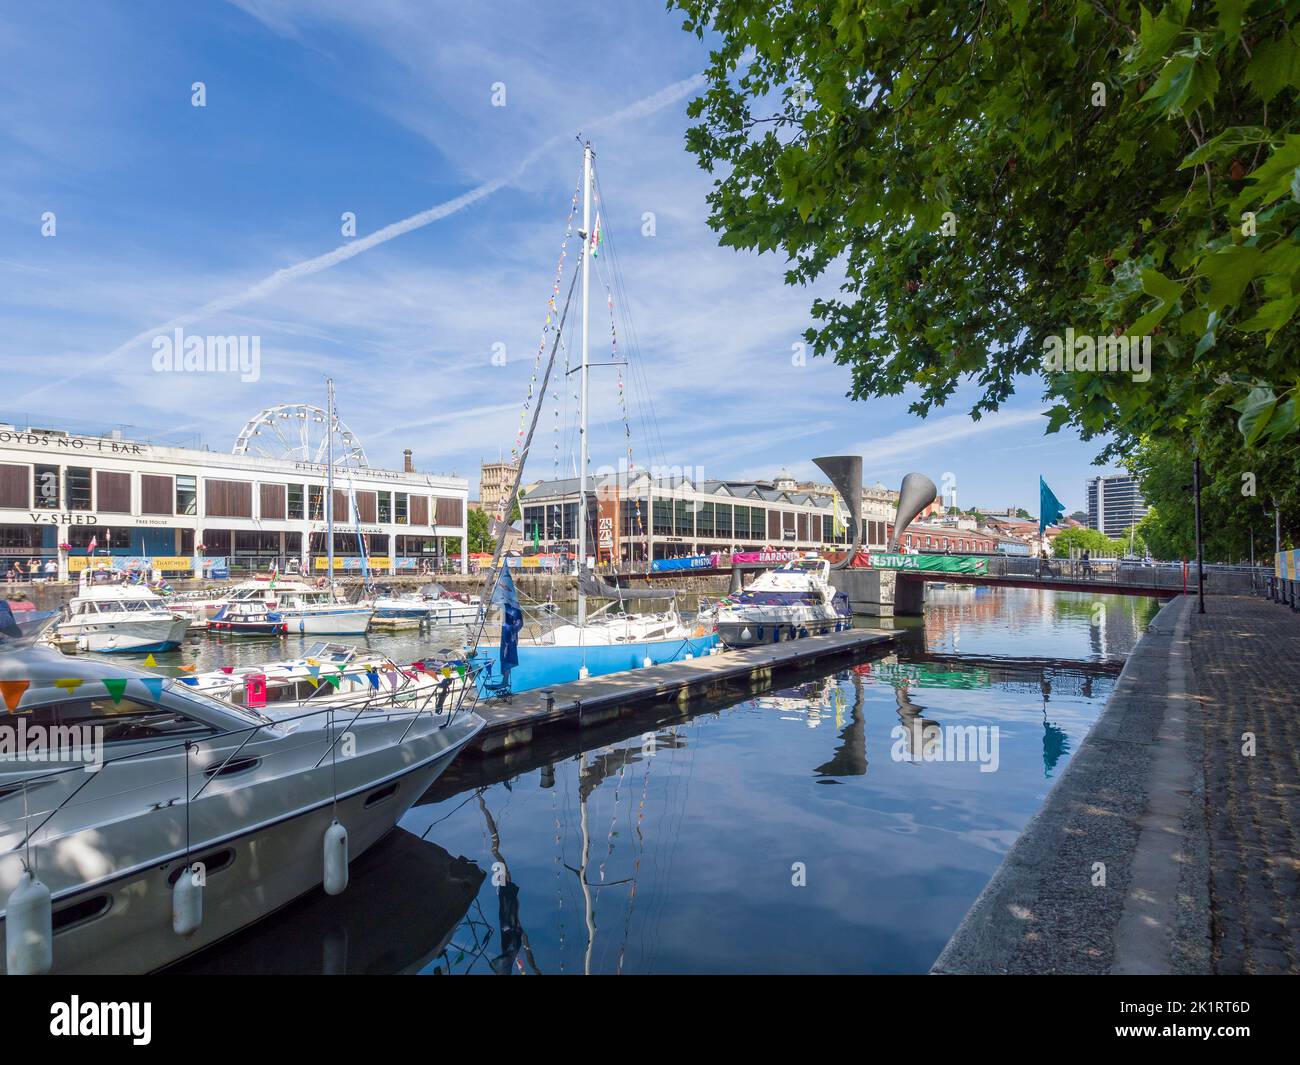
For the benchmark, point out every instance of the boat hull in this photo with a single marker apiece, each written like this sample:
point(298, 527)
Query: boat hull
point(128, 636)
point(541, 665)
point(756, 626)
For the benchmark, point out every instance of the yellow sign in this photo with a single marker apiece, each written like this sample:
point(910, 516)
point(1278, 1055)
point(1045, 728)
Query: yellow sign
point(164, 563)
point(322, 563)
point(76, 565)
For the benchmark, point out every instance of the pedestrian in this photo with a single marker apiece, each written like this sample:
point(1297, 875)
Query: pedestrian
point(1087, 563)
point(21, 567)
point(51, 569)
point(11, 575)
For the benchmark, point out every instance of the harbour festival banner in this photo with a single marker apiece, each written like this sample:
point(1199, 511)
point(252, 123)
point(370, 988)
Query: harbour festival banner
point(941, 563)
point(659, 565)
point(771, 557)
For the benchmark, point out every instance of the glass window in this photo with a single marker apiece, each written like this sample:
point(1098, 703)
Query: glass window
point(663, 517)
point(316, 502)
point(533, 524)
point(722, 519)
point(704, 520)
point(297, 504)
point(385, 507)
point(45, 487)
point(187, 495)
point(121, 721)
point(684, 520)
point(78, 488)
point(399, 508)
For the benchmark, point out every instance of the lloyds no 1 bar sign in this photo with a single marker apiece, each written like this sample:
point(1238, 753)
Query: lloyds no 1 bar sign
point(942, 563)
point(607, 524)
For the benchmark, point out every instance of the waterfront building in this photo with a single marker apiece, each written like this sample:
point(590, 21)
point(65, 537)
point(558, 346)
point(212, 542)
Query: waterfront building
point(632, 518)
point(1115, 503)
point(60, 493)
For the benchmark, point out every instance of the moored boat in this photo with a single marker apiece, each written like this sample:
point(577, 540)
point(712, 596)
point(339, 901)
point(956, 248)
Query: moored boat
point(793, 601)
point(190, 794)
point(121, 618)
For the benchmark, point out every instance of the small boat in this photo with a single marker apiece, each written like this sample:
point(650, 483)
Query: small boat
point(336, 674)
point(788, 603)
point(300, 608)
point(201, 817)
point(432, 604)
point(126, 618)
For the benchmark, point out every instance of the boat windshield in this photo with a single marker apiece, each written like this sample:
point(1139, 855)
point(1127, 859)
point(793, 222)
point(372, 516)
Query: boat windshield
point(803, 565)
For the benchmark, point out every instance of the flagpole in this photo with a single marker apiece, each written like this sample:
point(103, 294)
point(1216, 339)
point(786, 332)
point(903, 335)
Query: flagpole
point(582, 431)
point(329, 480)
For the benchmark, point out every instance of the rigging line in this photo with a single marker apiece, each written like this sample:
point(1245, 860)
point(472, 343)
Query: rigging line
point(616, 269)
point(490, 583)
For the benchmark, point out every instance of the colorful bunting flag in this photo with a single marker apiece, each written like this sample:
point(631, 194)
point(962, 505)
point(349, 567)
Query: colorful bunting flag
point(154, 685)
point(116, 687)
point(13, 692)
point(70, 683)
point(150, 661)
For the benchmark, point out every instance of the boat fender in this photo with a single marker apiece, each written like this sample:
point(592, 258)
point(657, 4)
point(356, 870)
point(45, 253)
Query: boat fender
point(646, 663)
point(584, 673)
point(29, 928)
point(689, 655)
point(336, 859)
point(745, 634)
point(187, 901)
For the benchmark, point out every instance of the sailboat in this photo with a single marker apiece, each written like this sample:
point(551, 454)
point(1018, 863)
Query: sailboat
point(611, 639)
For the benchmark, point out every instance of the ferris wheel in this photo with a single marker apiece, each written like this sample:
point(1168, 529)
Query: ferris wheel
point(300, 432)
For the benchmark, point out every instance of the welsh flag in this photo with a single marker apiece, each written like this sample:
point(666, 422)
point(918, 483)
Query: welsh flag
point(595, 237)
point(94, 543)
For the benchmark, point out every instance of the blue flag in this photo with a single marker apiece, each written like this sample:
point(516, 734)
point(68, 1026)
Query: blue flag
point(1050, 508)
point(512, 621)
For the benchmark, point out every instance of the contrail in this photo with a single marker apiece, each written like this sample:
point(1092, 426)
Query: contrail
point(646, 106)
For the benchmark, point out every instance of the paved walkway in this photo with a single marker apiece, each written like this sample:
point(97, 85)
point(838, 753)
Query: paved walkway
point(1246, 659)
point(1167, 845)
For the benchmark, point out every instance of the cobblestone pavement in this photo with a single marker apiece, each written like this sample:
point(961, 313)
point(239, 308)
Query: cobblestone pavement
point(1246, 659)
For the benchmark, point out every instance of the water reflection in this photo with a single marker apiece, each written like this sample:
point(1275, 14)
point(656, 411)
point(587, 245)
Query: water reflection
point(779, 833)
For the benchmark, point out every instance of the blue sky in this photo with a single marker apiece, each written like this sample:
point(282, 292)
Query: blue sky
point(168, 213)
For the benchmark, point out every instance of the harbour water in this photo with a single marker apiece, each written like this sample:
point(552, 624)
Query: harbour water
point(805, 830)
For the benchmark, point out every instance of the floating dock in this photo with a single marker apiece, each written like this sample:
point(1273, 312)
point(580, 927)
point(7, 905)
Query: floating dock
point(598, 700)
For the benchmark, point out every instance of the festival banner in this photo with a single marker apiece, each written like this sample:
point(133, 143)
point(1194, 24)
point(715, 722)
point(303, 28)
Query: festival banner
point(607, 523)
point(660, 565)
point(765, 557)
point(939, 563)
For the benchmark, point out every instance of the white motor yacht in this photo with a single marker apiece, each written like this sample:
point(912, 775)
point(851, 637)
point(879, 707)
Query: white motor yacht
point(121, 617)
point(302, 608)
point(156, 790)
point(792, 601)
point(432, 603)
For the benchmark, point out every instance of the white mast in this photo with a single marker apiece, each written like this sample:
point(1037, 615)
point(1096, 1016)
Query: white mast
point(582, 431)
point(329, 479)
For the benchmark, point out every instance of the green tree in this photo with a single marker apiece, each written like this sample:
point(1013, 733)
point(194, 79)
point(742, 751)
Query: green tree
point(1238, 487)
point(1098, 543)
point(479, 531)
point(982, 177)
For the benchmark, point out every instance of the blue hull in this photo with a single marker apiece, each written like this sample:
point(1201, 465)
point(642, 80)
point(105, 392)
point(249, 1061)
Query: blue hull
point(542, 667)
point(144, 649)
